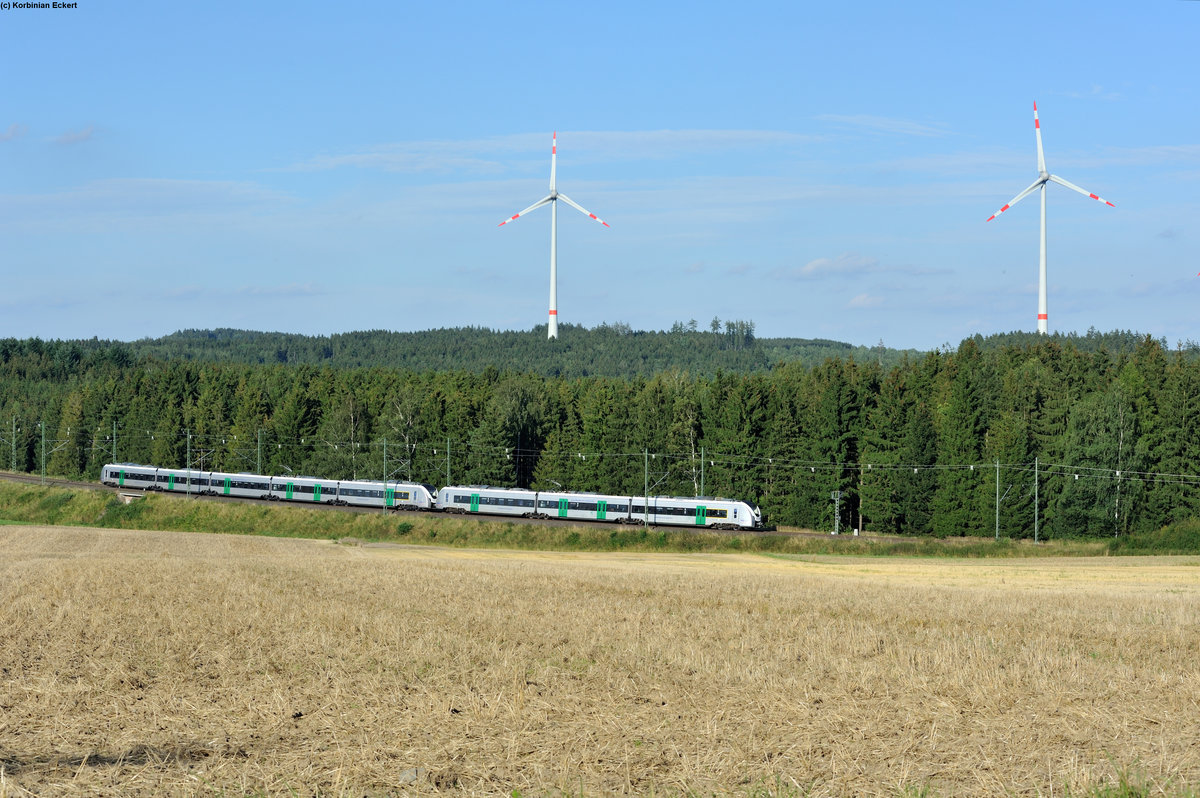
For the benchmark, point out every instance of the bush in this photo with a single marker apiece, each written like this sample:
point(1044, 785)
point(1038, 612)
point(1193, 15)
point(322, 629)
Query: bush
point(1182, 537)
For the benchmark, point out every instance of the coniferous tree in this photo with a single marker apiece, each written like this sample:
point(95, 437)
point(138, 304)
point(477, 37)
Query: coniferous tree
point(1176, 493)
point(1101, 452)
point(881, 452)
point(957, 502)
point(918, 451)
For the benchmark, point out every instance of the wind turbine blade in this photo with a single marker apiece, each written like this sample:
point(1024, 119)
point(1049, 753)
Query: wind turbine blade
point(1084, 192)
point(1037, 128)
point(1018, 198)
point(553, 159)
point(537, 204)
point(581, 209)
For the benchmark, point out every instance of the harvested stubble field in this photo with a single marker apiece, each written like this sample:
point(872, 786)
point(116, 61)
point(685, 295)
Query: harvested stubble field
point(150, 663)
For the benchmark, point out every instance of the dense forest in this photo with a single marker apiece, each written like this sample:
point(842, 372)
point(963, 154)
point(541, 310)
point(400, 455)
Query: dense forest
point(608, 350)
point(1024, 435)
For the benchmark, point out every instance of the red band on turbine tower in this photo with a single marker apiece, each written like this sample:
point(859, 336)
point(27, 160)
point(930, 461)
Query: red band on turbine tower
point(554, 313)
point(1043, 317)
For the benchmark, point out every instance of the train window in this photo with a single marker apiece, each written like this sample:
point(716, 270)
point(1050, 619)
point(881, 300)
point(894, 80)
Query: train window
point(712, 513)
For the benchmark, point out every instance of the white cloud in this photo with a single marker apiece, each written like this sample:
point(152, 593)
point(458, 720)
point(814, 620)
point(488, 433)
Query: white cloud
point(189, 293)
point(14, 131)
point(848, 263)
point(107, 201)
point(415, 157)
point(76, 136)
point(881, 124)
point(865, 301)
point(1094, 93)
point(501, 153)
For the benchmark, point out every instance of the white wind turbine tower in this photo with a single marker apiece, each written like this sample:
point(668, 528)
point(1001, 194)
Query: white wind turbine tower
point(1043, 178)
point(552, 198)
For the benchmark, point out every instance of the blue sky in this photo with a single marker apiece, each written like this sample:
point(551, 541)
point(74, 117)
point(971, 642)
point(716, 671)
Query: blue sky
point(825, 171)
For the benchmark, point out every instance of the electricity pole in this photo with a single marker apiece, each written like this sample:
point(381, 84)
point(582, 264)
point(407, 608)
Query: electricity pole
point(1035, 500)
point(646, 509)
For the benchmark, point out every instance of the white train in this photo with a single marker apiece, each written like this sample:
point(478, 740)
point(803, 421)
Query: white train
point(360, 493)
point(658, 511)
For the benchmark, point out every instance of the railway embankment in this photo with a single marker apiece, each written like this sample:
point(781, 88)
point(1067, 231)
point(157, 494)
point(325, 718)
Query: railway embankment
point(79, 506)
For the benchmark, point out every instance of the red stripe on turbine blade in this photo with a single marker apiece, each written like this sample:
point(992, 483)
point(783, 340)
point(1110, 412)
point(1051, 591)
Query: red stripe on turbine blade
point(993, 216)
point(603, 223)
point(1093, 196)
point(1109, 204)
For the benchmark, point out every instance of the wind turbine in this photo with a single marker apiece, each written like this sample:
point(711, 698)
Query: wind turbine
point(552, 199)
point(1044, 177)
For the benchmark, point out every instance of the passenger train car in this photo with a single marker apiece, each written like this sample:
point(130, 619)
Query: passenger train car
point(360, 493)
point(659, 511)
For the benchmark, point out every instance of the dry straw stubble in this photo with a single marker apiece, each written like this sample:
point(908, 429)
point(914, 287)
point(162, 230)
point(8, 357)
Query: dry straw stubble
point(140, 662)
